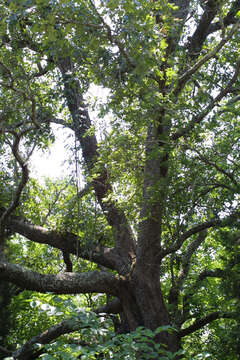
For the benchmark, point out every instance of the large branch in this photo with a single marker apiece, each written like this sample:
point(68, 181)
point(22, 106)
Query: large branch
point(206, 26)
point(63, 283)
point(67, 242)
point(199, 36)
point(154, 194)
point(198, 324)
point(124, 239)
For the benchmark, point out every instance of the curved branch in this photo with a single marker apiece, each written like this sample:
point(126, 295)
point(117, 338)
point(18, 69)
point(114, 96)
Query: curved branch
point(124, 240)
point(16, 197)
point(64, 283)
point(65, 327)
point(65, 241)
point(198, 324)
point(228, 220)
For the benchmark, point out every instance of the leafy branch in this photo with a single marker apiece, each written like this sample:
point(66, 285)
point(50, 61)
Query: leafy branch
point(188, 74)
point(27, 351)
point(200, 323)
point(216, 223)
point(214, 164)
point(24, 179)
point(113, 39)
point(198, 118)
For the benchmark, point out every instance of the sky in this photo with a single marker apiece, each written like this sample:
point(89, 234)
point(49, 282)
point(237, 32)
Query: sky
point(52, 162)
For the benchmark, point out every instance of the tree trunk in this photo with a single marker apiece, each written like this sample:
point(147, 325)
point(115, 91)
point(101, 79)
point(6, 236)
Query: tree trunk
point(143, 305)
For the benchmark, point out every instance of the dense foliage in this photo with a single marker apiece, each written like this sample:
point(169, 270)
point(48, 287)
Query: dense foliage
point(142, 261)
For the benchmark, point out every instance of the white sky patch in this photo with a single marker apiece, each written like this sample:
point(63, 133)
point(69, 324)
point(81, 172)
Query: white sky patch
point(52, 163)
point(55, 162)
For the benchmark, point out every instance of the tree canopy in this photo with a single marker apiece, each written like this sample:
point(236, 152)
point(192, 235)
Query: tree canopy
point(142, 261)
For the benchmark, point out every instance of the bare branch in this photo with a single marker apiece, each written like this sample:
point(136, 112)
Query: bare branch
point(65, 283)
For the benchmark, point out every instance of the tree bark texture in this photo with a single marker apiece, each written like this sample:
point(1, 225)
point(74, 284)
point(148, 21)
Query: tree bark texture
point(135, 260)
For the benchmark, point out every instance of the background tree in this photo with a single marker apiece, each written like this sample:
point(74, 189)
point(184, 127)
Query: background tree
point(156, 227)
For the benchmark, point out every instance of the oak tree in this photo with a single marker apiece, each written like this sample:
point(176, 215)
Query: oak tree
point(159, 157)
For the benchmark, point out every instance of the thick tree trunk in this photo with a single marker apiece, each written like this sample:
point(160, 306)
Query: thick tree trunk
point(143, 305)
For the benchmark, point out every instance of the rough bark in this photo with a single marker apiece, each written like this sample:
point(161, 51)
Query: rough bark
point(138, 289)
point(65, 241)
point(124, 240)
point(65, 283)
